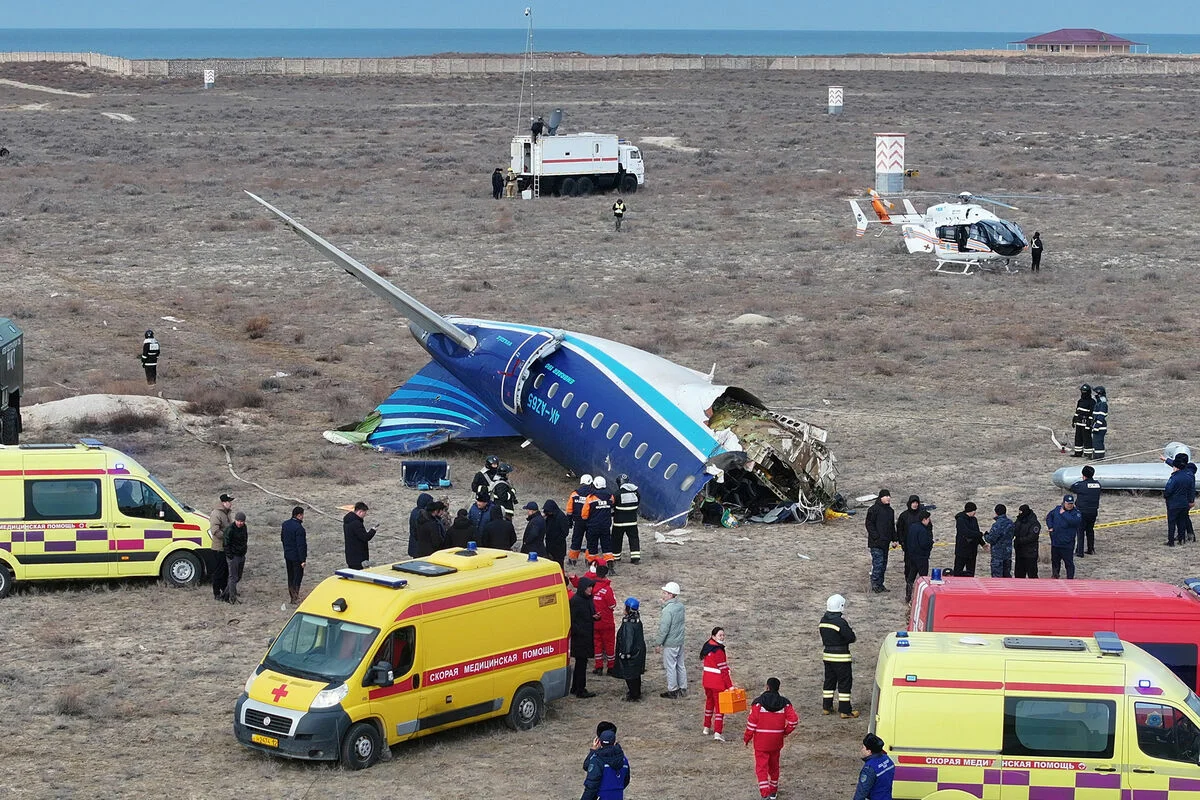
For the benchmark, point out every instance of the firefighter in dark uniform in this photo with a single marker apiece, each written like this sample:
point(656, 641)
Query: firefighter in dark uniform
point(502, 492)
point(1099, 423)
point(150, 351)
point(486, 478)
point(575, 504)
point(836, 636)
point(598, 517)
point(1083, 422)
point(625, 520)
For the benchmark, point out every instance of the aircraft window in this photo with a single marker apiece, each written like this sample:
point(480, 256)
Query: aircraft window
point(567, 398)
point(688, 483)
point(626, 439)
point(581, 411)
point(612, 430)
point(641, 450)
point(670, 473)
point(654, 459)
point(537, 382)
point(553, 390)
point(596, 420)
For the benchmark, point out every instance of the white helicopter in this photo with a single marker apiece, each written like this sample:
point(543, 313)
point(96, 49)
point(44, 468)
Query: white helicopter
point(962, 236)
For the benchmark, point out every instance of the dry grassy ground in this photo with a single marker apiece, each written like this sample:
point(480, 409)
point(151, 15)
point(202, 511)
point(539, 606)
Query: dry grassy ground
point(929, 384)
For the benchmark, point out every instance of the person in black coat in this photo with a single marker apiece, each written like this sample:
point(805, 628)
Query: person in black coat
point(357, 536)
point(462, 531)
point(497, 184)
point(295, 551)
point(430, 534)
point(881, 523)
point(631, 650)
point(498, 532)
point(237, 538)
point(967, 541)
point(533, 540)
point(1027, 529)
point(583, 630)
point(558, 527)
point(917, 551)
point(423, 500)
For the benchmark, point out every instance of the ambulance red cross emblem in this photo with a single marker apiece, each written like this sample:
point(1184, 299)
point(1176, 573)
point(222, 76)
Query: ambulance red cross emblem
point(280, 692)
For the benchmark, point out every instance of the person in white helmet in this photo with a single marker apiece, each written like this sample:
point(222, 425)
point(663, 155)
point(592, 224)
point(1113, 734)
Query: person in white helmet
point(575, 505)
point(597, 516)
point(836, 636)
point(670, 642)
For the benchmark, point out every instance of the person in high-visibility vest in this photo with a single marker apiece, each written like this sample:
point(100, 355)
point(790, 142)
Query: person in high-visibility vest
point(618, 212)
point(837, 636)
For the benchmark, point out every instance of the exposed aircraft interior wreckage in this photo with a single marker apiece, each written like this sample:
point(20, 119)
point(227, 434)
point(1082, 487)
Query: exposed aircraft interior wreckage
point(782, 473)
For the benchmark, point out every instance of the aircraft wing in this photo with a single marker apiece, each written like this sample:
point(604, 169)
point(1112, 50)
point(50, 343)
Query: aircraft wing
point(432, 408)
point(414, 310)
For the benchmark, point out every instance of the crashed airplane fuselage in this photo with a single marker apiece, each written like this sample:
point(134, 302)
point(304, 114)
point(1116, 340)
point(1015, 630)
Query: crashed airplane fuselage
point(594, 405)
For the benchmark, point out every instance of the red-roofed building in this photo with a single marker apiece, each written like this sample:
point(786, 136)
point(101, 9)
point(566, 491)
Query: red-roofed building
point(1080, 40)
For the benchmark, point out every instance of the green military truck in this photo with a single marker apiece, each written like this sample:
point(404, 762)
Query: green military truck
point(11, 377)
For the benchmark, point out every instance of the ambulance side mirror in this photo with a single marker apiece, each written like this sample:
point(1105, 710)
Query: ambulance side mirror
point(381, 675)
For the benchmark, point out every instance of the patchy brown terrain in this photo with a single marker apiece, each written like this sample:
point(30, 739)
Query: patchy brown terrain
point(929, 384)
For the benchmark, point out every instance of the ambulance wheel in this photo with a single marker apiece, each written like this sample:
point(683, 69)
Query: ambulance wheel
point(527, 709)
point(181, 569)
point(583, 187)
point(628, 184)
point(360, 748)
point(6, 581)
point(567, 188)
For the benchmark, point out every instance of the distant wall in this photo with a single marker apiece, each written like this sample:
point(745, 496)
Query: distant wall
point(485, 65)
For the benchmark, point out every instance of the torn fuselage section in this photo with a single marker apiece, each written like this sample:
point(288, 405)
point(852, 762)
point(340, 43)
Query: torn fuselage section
point(775, 468)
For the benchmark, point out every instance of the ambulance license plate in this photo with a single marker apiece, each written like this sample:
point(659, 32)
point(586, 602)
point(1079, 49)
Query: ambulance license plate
point(266, 741)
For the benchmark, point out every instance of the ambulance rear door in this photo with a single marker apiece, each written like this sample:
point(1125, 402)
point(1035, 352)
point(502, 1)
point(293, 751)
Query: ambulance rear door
point(1163, 750)
point(398, 705)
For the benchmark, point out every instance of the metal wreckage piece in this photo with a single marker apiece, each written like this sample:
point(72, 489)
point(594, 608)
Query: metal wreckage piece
point(783, 471)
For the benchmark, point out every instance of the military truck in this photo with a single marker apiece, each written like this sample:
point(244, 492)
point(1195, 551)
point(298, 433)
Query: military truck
point(11, 377)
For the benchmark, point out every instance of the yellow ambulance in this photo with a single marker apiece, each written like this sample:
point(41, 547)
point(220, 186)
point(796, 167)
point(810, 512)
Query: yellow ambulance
point(85, 511)
point(374, 657)
point(1034, 718)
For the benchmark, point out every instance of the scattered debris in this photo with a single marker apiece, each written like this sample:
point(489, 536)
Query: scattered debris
point(752, 319)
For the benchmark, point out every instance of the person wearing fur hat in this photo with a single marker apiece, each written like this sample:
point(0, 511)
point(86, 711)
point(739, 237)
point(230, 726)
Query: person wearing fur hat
point(878, 770)
point(967, 540)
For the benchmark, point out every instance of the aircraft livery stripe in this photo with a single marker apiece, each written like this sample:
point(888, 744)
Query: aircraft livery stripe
point(390, 408)
point(421, 394)
point(393, 424)
point(698, 439)
point(480, 596)
point(446, 387)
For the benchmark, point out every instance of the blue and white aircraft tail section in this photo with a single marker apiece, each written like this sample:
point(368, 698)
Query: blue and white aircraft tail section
point(596, 406)
point(432, 408)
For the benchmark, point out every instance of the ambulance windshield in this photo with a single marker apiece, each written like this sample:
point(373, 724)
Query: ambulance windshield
point(318, 648)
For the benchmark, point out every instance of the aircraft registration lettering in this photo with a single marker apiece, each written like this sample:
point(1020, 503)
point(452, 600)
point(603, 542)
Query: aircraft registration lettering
point(543, 409)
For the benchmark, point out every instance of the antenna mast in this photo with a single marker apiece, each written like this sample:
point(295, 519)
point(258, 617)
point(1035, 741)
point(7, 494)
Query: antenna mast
point(528, 68)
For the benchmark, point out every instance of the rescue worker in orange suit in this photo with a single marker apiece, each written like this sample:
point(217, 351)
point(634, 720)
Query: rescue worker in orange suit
point(836, 636)
point(625, 520)
point(597, 515)
point(605, 635)
point(575, 505)
point(1082, 420)
point(772, 719)
point(716, 680)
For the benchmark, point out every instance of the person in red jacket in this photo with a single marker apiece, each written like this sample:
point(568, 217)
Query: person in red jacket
point(772, 718)
point(606, 626)
point(716, 680)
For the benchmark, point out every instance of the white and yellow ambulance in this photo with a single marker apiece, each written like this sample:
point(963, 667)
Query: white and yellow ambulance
point(1034, 718)
point(374, 657)
point(84, 511)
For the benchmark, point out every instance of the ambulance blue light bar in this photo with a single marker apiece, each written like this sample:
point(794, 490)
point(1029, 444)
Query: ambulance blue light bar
point(1109, 643)
point(91, 443)
point(371, 577)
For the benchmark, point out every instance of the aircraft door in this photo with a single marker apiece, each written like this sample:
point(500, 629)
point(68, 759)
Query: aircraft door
point(520, 365)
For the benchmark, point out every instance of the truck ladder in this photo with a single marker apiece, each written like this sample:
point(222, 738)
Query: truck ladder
point(537, 168)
